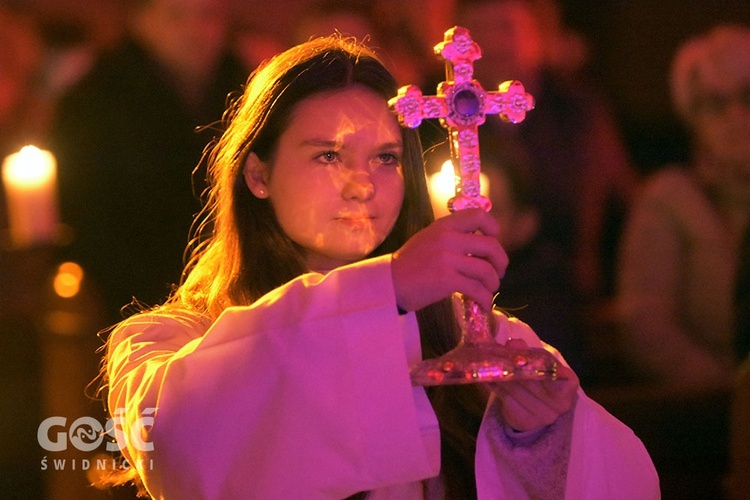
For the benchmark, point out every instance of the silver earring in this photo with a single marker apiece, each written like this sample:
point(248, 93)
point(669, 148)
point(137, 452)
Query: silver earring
point(261, 192)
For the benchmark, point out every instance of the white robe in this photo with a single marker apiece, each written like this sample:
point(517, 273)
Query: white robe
point(306, 394)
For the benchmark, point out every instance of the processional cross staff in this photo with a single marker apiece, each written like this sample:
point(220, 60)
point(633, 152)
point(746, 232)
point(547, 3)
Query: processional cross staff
point(461, 105)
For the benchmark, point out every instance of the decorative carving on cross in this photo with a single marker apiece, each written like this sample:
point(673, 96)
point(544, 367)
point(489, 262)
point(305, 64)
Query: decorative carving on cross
point(461, 104)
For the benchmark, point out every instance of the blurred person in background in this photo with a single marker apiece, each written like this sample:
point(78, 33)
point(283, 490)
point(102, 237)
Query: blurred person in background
point(126, 141)
point(742, 299)
point(535, 288)
point(738, 481)
point(582, 176)
point(21, 53)
point(391, 32)
point(253, 44)
point(681, 245)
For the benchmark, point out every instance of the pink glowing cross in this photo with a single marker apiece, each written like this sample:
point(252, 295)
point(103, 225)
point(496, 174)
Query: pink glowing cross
point(461, 105)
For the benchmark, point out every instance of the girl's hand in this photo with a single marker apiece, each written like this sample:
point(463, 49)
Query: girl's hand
point(456, 253)
point(531, 404)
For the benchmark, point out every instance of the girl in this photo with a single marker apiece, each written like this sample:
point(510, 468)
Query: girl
point(279, 368)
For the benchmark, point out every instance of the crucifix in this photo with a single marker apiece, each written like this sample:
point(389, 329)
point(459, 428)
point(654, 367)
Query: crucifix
point(461, 105)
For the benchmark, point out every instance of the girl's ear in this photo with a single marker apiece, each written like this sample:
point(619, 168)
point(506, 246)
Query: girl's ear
point(256, 172)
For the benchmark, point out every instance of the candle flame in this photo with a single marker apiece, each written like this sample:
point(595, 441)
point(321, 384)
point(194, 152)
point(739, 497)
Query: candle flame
point(442, 187)
point(29, 168)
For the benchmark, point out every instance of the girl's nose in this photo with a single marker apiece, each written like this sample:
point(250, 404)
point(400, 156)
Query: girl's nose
point(358, 186)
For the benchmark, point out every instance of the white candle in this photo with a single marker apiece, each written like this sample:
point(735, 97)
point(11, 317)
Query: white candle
point(30, 181)
point(442, 187)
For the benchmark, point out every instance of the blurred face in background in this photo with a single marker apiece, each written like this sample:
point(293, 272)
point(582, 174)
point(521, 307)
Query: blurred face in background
point(188, 36)
point(711, 90)
point(722, 118)
point(722, 126)
point(511, 40)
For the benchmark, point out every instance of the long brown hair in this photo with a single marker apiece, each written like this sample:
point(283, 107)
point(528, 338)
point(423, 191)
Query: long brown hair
point(240, 252)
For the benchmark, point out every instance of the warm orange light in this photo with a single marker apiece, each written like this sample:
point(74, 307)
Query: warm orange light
point(67, 281)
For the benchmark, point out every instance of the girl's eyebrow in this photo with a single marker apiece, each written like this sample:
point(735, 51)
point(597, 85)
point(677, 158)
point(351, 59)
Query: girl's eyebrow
point(391, 145)
point(320, 142)
point(327, 143)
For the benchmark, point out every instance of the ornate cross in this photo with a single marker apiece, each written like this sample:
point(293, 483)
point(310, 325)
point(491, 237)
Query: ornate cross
point(461, 104)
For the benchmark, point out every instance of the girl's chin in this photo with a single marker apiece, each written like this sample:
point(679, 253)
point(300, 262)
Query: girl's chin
point(326, 261)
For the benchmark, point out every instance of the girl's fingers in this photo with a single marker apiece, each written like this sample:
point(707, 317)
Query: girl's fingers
point(481, 272)
point(458, 253)
point(471, 221)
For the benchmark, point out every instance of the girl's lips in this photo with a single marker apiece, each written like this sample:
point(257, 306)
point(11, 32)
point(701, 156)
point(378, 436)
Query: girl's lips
point(356, 222)
point(355, 217)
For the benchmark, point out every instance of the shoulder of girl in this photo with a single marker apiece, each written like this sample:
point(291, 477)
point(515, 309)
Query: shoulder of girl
point(165, 321)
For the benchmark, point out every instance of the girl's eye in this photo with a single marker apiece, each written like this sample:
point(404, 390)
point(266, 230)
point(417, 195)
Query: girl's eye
point(389, 159)
point(328, 157)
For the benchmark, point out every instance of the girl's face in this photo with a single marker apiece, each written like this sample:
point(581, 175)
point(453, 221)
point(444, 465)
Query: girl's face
point(336, 183)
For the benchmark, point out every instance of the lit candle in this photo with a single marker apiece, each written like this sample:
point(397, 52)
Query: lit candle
point(442, 187)
point(30, 181)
